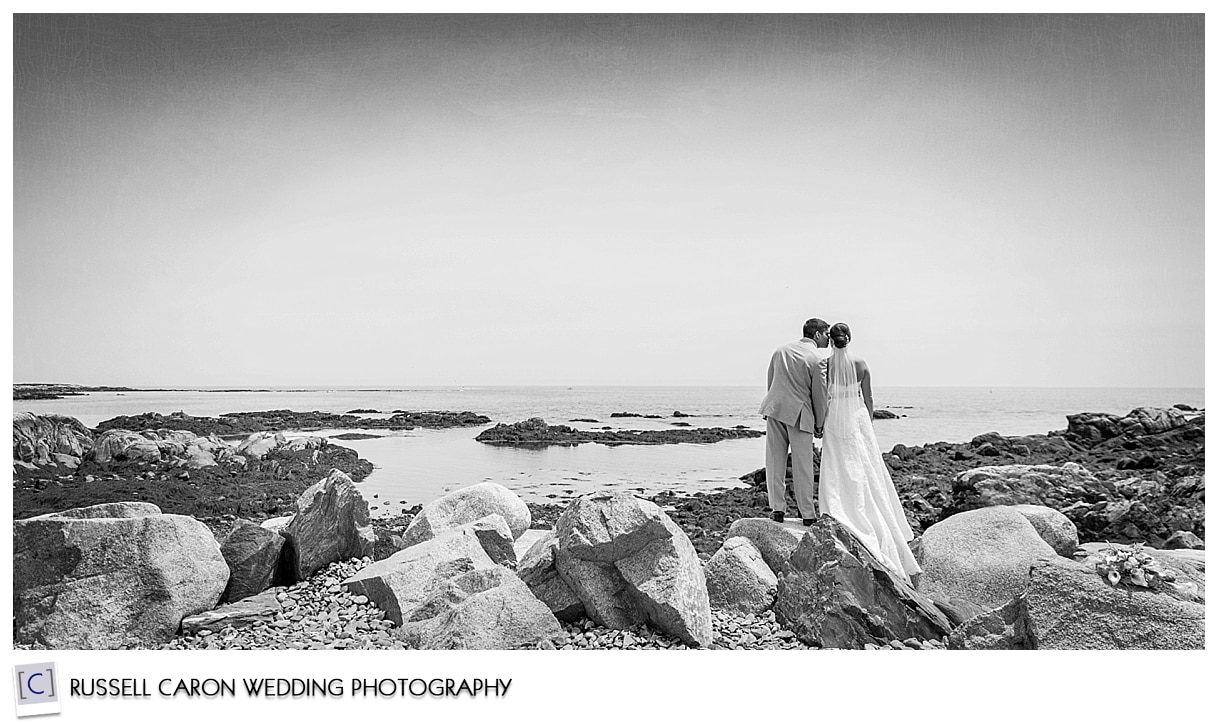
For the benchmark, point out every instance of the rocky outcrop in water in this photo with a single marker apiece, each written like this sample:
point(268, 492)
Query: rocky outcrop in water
point(57, 391)
point(244, 423)
point(534, 433)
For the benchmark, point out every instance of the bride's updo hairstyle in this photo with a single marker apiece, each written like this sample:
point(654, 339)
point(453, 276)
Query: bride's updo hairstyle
point(840, 334)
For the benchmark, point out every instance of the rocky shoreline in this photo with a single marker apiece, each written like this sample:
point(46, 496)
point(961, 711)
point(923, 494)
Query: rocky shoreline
point(1143, 480)
point(1136, 478)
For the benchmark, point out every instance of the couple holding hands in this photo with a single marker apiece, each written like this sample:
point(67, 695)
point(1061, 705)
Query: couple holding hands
point(814, 392)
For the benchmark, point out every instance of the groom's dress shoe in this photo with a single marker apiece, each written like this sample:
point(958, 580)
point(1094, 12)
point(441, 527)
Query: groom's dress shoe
point(777, 516)
point(808, 521)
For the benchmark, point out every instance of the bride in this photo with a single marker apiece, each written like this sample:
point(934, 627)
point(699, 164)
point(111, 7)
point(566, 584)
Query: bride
point(855, 486)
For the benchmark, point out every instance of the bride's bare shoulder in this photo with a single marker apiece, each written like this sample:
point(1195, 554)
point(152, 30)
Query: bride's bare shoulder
point(860, 366)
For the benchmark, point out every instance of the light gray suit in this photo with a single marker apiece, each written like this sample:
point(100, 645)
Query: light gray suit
point(794, 407)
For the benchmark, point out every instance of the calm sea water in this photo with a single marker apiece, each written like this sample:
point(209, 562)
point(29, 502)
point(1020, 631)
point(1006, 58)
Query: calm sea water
point(417, 466)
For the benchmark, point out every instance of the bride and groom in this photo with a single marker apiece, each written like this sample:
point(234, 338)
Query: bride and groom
point(814, 392)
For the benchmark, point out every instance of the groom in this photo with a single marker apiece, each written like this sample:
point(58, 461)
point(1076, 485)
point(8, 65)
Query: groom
point(794, 410)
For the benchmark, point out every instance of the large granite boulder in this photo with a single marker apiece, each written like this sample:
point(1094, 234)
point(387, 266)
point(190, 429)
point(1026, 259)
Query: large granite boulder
point(111, 576)
point(602, 591)
point(400, 583)
point(608, 528)
point(1054, 528)
point(40, 440)
point(775, 542)
point(251, 611)
point(629, 563)
point(1186, 567)
point(737, 578)
point(981, 556)
point(465, 506)
point(253, 556)
point(668, 584)
point(1067, 605)
point(833, 593)
point(330, 525)
point(483, 608)
point(536, 568)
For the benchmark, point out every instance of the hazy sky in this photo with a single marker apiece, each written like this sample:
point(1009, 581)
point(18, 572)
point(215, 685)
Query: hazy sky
point(428, 200)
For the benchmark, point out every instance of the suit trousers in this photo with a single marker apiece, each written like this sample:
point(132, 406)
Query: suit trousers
point(778, 437)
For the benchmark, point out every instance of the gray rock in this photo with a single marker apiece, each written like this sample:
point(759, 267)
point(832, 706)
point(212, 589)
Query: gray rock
point(174, 447)
point(1005, 627)
point(607, 527)
point(399, 584)
point(536, 568)
point(130, 509)
point(1054, 486)
point(1054, 528)
point(667, 582)
point(251, 611)
point(104, 583)
point(258, 444)
point(331, 524)
point(277, 525)
point(114, 446)
point(601, 589)
point(834, 593)
point(496, 538)
point(252, 553)
point(1094, 427)
point(465, 506)
point(1186, 567)
point(1066, 605)
point(628, 563)
point(38, 439)
point(737, 578)
point(774, 541)
point(981, 556)
point(1184, 539)
point(487, 608)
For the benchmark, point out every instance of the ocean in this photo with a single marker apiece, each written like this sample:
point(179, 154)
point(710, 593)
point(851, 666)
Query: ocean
point(417, 466)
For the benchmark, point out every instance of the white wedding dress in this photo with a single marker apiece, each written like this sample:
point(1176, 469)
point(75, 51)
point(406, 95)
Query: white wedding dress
point(855, 486)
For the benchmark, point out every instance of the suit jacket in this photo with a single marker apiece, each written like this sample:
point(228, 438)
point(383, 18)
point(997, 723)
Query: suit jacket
point(795, 386)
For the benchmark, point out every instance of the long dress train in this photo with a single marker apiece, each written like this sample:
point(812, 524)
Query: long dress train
point(855, 485)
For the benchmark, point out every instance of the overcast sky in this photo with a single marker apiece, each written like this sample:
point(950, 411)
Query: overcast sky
point(236, 201)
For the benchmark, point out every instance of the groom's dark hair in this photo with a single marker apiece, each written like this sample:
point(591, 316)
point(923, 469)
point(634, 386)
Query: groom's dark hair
point(814, 325)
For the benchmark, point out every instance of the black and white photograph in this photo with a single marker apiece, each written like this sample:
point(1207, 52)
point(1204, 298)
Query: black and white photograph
point(788, 333)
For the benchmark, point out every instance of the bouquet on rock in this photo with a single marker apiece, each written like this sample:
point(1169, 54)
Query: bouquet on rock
point(1131, 566)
